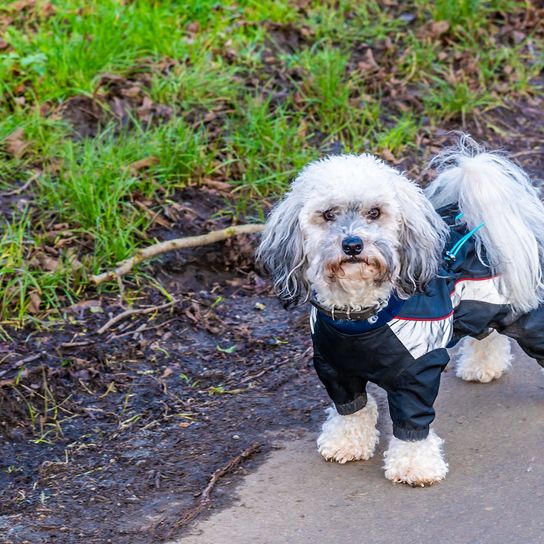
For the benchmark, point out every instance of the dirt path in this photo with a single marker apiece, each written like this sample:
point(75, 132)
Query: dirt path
point(494, 493)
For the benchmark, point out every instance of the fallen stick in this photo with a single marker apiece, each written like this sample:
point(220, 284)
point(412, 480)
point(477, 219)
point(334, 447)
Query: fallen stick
point(136, 311)
point(281, 363)
point(24, 187)
point(170, 245)
point(204, 500)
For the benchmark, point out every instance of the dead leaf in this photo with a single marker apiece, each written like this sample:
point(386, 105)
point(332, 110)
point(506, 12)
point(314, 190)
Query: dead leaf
point(211, 116)
point(83, 305)
point(438, 28)
point(48, 263)
point(387, 155)
point(194, 313)
point(155, 216)
point(135, 167)
point(185, 424)
point(167, 372)
point(369, 63)
point(35, 301)
point(193, 27)
point(302, 131)
point(518, 36)
point(15, 143)
point(72, 261)
point(118, 107)
point(370, 58)
point(22, 4)
point(48, 9)
point(132, 92)
point(219, 185)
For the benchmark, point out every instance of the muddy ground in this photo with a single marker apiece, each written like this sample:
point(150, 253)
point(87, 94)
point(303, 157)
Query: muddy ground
point(113, 436)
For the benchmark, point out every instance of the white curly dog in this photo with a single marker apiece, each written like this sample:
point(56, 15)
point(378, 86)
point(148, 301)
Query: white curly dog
point(396, 276)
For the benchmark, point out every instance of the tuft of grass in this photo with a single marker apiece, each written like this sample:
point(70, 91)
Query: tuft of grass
point(398, 136)
point(449, 99)
point(457, 11)
point(325, 88)
point(264, 150)
point(95, 185)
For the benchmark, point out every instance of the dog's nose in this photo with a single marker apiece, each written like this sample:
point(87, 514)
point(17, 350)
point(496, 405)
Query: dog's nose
point(352, 245)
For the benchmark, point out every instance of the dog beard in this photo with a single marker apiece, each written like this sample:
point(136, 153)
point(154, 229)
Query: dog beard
point(372, 267)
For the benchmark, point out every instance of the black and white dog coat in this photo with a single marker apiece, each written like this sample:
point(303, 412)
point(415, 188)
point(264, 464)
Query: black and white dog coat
point(403, 347)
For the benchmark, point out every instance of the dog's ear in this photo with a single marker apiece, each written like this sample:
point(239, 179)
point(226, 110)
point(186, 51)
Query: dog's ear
point(422, 237)
point(281, 251)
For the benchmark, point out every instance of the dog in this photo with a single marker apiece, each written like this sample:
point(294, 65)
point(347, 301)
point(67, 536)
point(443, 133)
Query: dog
point(396, 275)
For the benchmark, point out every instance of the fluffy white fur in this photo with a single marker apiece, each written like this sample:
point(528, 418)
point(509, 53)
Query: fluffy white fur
point(484, 360)
point(350, 438)
point(491, 189)
point(419, 463)
point(403, 244)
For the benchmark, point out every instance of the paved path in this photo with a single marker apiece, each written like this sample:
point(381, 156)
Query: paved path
point(494, 493)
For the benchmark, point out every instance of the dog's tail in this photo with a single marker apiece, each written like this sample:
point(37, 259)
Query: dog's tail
point(493, 191)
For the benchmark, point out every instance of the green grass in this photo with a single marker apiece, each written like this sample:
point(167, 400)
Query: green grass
point(243, 111)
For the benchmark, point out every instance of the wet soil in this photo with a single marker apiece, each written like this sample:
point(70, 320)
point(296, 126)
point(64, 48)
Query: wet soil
point(138, 418)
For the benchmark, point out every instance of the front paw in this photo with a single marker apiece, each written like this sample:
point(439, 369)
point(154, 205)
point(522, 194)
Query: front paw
point(418, 464)
point(484, 374)
point(350, 438)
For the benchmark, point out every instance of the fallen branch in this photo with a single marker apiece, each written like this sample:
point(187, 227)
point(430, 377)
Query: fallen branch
point(204, 500)
point(303, 356)
point(24, 187)
point(21, 362)
point(170, 245)
point(136, 311)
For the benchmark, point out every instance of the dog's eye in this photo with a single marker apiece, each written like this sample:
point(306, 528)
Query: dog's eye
point(374, 213)
point(329, 215)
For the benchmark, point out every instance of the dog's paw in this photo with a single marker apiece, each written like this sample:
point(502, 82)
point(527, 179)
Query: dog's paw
point(418, 464)
point(483, 374)
point(484, 360)
point(343, 453)
point(350, 438)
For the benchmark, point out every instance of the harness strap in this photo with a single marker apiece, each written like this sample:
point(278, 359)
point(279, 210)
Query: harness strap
point(451, 255)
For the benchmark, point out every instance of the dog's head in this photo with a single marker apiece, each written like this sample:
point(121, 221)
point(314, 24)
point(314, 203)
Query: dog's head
point(351, 229)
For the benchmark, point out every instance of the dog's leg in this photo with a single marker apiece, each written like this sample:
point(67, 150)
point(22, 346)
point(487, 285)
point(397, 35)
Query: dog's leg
point(418, 463)
point(484, 360)
point(350, 438)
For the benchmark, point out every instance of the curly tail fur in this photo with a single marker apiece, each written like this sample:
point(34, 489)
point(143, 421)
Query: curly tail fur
point(491, 189)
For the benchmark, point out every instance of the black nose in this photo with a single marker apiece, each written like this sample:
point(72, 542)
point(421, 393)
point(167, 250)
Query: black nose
point(352, 245)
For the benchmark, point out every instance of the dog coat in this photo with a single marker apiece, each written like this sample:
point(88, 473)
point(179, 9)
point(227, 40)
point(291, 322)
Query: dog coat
point(402, 348)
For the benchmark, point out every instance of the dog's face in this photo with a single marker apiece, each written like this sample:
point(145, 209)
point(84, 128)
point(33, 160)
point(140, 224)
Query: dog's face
point(352, 230)
point(351, 241)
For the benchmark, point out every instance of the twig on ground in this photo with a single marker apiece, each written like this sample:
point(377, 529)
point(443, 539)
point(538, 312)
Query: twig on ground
point(170, 245)
point(21, 362)
point(76, 344)
point(135, 311)
point(204, 500)
point(144, 327)
point(23, 187)
point(281, 363)
point(527, 152)
point(262, 372)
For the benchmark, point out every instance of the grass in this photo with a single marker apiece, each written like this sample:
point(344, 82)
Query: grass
point(241, 109)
